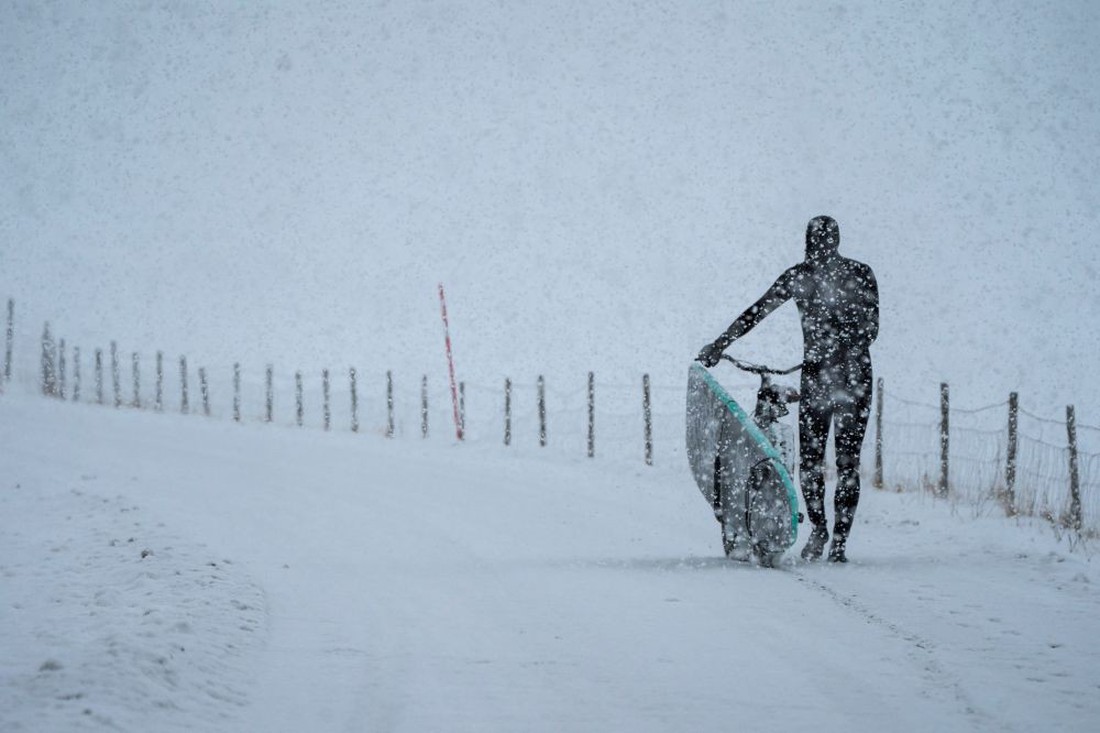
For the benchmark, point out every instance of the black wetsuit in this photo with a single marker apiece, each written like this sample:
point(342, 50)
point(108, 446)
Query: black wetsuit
point(837, 301)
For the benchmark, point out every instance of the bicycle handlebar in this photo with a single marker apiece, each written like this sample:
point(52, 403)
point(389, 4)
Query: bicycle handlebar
point(758, 368)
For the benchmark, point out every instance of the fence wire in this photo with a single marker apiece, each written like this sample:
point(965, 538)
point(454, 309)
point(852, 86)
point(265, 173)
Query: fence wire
point(615, 426)
point(978, 459)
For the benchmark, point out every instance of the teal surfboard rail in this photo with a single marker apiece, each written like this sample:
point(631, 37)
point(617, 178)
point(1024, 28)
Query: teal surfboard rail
point(757, 435)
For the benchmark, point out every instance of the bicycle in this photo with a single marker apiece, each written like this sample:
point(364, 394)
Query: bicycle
point(742, 464)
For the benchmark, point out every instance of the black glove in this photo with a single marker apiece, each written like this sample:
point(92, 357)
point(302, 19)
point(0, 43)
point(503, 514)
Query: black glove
point(710, 355)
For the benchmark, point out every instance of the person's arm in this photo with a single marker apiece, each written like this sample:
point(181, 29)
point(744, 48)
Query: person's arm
point(778, 294)
point(870, 305)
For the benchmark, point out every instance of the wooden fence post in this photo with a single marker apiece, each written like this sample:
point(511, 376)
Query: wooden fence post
point(647, 414)
point(9, 340)
point(236, 391)
point(185, 405)
point(135, 367)
point(99, 376)
point(879, 480)
point(461, 410)
point(945, 438)
point(61, 369)
point(204, 390)
point(269, 400)
point(389, 404)
point(507, 411)
point(424, 406)
point(354, 402)
point(1010, 458)
point(542, 411)
point(158, 405)
point(326, 407)
point(49, 363)
point(116, 375)
point(1075, 517)
point(299, 406)
point(591, 415)
point(135, 364)
point(76, 374)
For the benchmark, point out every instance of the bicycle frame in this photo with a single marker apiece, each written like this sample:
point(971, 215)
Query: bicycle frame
point(771, 400)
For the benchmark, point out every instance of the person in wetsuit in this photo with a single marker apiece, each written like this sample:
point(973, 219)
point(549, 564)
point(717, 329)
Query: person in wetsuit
point(837, 301)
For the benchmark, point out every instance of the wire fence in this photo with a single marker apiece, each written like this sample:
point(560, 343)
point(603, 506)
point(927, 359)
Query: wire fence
point(996, 457)
point(992, 456)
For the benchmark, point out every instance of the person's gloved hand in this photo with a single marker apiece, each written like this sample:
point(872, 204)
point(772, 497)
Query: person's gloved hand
point(710, 355)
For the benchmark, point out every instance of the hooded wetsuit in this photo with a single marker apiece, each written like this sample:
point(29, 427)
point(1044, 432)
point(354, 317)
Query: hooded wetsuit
point(837, 301)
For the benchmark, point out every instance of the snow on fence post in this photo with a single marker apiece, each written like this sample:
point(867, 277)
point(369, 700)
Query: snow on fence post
point(647, 413)
point(542, 411)
point(299, 407)
point(461, 410)
point(878, 482)
point(945, 438)
point(1074, 476)
point(1010, 453)
point(325, 399)
point(49, 363)
point(9, 340)
point(116, 375)
point(236, 391)
point(269, 400)
point(204, 389)
point(61, 368)
point(591, 415)
point(354, 402)
point(158, 404)
point(424, 406)
point(185, 406)
point(99, 376)
point(135, 362)
point(507, 411)
point(76, 374)
point(389, 404)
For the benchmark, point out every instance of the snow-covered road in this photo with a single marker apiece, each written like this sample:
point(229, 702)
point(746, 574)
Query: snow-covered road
point(171, 573)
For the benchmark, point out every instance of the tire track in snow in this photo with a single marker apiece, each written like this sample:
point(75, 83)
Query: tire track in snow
point(922, 651)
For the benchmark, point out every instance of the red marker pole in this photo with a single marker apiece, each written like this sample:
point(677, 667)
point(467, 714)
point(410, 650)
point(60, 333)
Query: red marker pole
point(450, 363)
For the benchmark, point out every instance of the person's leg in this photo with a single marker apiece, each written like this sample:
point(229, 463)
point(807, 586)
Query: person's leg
point(813, 431)
point(850, 425)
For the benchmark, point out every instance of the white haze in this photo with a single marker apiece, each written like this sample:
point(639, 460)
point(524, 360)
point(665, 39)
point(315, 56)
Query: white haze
point(600, 186)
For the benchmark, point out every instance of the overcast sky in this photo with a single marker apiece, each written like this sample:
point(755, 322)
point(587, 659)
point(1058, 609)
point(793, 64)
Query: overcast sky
point(600, 185)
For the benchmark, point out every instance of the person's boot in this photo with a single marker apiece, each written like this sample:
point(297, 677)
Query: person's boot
point(841, 528)
point(836, 550)
point(816, 544)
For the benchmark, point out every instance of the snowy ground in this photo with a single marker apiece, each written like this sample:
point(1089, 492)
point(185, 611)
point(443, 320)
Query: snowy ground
point(172, 573)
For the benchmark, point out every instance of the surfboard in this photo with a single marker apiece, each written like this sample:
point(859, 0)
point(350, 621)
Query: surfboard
point(739, 472)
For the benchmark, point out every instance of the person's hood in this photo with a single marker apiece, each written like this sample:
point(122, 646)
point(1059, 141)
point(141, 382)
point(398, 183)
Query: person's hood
point(822, 238)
